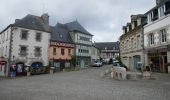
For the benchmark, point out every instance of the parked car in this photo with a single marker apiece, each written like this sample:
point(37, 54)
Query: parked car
point(97, 64)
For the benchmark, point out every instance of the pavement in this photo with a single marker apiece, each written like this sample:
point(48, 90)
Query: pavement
point(84, 85)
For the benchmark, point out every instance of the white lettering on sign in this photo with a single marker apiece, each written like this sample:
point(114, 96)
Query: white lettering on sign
point(62, 44)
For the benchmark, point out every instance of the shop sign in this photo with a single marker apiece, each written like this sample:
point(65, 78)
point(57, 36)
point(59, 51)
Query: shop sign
point(3, 62)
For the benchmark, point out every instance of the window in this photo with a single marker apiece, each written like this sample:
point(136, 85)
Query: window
point(23, 50)
point(163, 35)
point(155, 14)
point(131, 43)
point(130, 27)
point(84, 38)
point(38, 36)
point(24, 35)
point(6, 50)
point(167, 7)
point(54, 51)
point(62, 51)
point(138, 41)
point(69, 51)
point(151, 38)
point(135, 23)
point(37, 51)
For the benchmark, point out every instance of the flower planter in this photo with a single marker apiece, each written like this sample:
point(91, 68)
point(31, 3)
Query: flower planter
point(169, 69)
point(28, 73)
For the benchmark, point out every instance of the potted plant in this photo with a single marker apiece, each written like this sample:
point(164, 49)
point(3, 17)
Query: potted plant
point(27, 70)
point(52, 70)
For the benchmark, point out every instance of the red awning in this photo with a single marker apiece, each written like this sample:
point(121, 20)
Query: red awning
point(2, 62)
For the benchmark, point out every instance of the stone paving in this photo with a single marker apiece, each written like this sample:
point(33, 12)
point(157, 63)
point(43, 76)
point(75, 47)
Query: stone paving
point(84, 85)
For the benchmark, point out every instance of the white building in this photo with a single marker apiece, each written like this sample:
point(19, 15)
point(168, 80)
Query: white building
point(26, 42)
point(157, 36)
point(83, 40)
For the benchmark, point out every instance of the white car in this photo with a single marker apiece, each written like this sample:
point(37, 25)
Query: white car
point(97, 64)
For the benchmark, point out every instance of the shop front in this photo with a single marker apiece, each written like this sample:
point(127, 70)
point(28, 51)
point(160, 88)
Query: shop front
point(20, 69)
point(3, 65)
point(59, 65)
point(157, 59)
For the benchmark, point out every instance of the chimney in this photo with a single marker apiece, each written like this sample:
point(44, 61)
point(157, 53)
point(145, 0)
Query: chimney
point(45, 18)
point(16, 20)
point(159, 1)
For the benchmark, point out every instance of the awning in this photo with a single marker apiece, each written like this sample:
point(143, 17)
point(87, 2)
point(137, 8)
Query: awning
point(2, 62)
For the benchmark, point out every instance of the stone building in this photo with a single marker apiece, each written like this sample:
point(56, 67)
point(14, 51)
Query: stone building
point(157, 36)
point(131, 42)
point(25, 43)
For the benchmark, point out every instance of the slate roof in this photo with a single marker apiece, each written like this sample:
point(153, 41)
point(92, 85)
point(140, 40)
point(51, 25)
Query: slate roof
point(60, 33)
point(160, 4)
point(75, 26)
point(108, 45)
point(32, 22)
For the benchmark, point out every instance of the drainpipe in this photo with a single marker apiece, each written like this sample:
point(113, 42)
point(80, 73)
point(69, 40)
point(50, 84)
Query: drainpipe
point(143, 49)
point(10, 51)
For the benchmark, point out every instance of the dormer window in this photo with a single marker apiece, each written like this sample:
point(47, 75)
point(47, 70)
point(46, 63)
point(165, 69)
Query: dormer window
point(167, 7)
point(135, 24)
point(125, 30)
point(130, 27)
point(155, 14)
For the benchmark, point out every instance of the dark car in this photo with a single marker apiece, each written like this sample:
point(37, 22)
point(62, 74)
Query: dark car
point(118, 64)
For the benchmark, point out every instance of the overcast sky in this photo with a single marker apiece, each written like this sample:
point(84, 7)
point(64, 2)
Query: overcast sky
point(102, 18)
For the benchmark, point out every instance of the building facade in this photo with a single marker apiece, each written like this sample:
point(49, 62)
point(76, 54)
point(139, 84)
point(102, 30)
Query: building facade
point(25, 43)
point(83, 43)
point(131, 42)
point(61, 47)
point(108, 50)
point(157, 36)
point(95, 53)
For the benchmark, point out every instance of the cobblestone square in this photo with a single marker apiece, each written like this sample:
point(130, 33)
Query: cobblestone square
point(84, 85)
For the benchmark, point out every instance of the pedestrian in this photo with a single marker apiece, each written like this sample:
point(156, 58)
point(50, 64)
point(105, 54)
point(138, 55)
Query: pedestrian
point(12, 71)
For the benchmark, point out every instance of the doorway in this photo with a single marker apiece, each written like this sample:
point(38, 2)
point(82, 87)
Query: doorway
point(82, 64)
point(20, 69)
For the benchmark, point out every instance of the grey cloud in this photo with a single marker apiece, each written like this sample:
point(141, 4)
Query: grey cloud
point(103, 18)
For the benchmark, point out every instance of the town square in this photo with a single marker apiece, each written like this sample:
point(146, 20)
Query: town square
point(85, 50)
